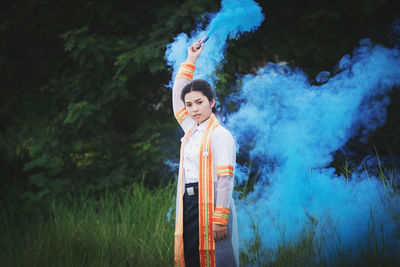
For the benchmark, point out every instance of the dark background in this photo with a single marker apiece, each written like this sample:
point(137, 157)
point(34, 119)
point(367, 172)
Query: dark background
point(84, 102)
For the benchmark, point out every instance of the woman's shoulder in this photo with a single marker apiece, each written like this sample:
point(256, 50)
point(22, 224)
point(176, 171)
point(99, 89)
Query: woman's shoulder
point(223, 146)
point(221, 133)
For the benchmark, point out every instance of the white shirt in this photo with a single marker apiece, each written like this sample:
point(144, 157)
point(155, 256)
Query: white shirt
point(191, 154)
point(223, 149)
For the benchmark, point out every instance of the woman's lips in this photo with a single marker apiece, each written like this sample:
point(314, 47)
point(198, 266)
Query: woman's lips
point(196, 115)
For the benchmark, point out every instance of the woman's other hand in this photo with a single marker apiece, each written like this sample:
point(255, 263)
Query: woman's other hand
point(194, 52)
point(220, 232)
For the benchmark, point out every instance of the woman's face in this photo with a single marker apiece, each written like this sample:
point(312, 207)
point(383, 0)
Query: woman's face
point(198, 106)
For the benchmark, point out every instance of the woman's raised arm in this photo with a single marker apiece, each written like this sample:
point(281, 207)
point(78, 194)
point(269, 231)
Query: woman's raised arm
point(185, 76)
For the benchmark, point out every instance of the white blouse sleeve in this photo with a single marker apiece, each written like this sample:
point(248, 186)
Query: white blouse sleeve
point(225, 159)
point(184, 77)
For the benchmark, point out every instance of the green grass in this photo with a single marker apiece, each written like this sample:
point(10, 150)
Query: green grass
point(307, 250)
point(131, 228)
point(125, 229)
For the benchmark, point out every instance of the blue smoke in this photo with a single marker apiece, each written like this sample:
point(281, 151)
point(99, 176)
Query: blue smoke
point(292, 130)
point(295, 128)
point(234, 18)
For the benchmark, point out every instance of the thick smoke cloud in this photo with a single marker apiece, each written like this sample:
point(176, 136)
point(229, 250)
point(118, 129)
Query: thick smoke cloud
point(292, 130)
point(295, 128)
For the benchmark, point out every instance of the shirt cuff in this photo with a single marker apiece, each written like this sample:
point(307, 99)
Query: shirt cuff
point(225, 170)
point(221, 215)
point(186, 70)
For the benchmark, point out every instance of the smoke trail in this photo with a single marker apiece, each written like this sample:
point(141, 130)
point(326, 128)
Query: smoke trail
point(295, 128)
point(234, 18)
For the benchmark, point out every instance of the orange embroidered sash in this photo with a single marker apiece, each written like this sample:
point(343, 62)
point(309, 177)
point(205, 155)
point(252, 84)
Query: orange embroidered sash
point(206, 200)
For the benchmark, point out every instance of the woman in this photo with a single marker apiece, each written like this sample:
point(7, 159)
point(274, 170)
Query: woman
point(205, 229)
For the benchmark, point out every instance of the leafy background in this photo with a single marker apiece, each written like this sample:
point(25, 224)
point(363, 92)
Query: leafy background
point(85, 104)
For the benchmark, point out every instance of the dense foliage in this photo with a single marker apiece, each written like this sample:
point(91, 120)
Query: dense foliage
point(84, 99)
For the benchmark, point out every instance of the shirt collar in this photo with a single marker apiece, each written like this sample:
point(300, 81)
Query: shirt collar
point(202, 126)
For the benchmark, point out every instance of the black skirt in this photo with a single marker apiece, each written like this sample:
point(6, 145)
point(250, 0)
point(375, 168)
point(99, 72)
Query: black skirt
point(191, 226)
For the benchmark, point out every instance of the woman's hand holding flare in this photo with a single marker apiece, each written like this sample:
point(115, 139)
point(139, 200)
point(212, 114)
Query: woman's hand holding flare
point(194, 52)
point(220, 232)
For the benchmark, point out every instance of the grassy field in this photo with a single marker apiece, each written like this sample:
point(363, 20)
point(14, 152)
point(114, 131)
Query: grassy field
point(125, 229)
point(135, 228)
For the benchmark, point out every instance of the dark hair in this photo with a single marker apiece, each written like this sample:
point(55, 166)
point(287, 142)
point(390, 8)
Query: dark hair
point(201, 86)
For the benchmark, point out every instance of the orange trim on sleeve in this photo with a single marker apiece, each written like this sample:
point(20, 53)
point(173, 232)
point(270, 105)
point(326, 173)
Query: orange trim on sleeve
point(221, 215)
point(186, 70)
point(225, 170)
point(181, 115)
